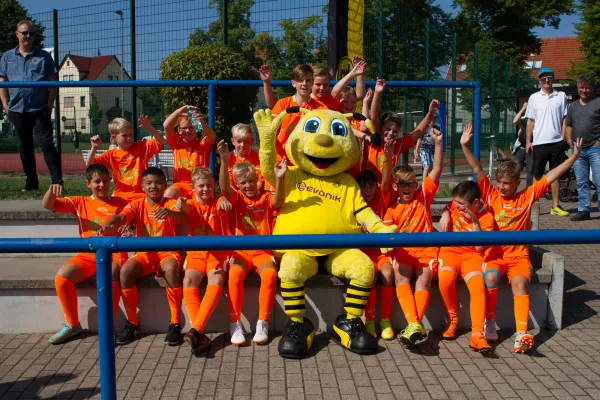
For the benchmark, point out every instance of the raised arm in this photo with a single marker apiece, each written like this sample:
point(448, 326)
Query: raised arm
point(438, 157)
point(386, 174)
point(358, 70)
point(365, 104)
point(428, 120)
point(211, 136)
point(517, 119)
point(171, 119)
point(559, 171)
point(95, 143)
point(224, 183)
point(376, 103)
point(145, 124)
point(266, 74)
point(471, 159)
point(279, 198)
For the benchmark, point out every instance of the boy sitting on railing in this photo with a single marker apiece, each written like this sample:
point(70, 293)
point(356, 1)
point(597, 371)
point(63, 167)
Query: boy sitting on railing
point(91, 213)
point(188, 151)
point(512, 212)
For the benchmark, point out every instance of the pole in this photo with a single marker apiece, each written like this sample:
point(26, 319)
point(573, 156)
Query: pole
point(133, 69)
point(57, 102)
point(211, 121)
point(454, 98)
point(106, 338)
point(224, 22)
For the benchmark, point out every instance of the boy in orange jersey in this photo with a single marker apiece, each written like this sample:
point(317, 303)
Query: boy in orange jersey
point(467, 214)
point(348, 105)
point(91, 213)
point(205, 219)
point(331, 100)
point(128, 160)
point(512, 212)
point(252, 215)
point(188, 151)
point(378, 199)
point(154, 215)
point(411, 212)
point(241, 138)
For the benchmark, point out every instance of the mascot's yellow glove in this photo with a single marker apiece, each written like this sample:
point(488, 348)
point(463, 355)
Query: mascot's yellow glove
point(267, 131)
point(367, 218)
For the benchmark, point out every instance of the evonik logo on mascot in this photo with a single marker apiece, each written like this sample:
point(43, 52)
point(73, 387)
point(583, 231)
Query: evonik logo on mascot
point(302, 187)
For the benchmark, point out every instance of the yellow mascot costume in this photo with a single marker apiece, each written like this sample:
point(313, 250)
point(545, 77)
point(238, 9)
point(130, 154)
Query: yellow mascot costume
point(320, 198)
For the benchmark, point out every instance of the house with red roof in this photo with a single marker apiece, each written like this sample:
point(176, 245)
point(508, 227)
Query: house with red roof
point(75, 102)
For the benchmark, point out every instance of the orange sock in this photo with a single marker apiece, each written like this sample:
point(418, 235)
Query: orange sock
point(130, 301)
point(447, 284)
point(522, 312)
point(116, 296)
point(370, 307)
point(209, 303)
point(477, 302)
point(387, 300)
point(422, 301)
point(191, 299)
point(235, 291)
point(268, 290)
point(491, 296)
point(407, 302)
point(174, 296)
point(65, 290)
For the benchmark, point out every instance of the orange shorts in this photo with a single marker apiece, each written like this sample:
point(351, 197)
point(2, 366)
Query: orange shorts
point(254, 258)
point(518, 266)
point(205, 261)
point(186, 189)
point(421, 258)
point(151, 261)
point(129, 196)
point(462, 263)
point(87, 262)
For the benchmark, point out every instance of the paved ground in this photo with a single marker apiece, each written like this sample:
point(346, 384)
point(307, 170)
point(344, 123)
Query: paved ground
point(565, 364)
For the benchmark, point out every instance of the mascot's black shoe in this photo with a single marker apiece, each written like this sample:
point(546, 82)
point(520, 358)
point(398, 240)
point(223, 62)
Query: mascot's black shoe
point(351, 334)
point(297, 339)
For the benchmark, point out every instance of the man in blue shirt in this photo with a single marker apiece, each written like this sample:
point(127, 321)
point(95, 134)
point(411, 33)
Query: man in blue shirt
point(29, 109)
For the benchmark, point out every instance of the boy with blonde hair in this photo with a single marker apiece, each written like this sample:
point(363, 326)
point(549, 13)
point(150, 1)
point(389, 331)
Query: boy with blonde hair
point(241, 138)
point(252, 215)
point(128, 160)
point(331, 100)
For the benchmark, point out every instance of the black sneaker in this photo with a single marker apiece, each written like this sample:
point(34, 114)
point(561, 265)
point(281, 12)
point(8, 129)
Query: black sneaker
point(580, 216)
point(173, 337)
point(197, 341)
point(28, 188)
point(128, 334)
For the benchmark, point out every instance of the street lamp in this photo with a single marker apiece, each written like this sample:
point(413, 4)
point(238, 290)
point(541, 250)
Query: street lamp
point(120, 14)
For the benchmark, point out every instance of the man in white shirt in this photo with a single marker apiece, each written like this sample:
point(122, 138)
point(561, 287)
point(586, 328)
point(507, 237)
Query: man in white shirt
point(546, 111)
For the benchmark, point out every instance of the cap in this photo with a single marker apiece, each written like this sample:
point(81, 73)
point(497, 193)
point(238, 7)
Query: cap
point(545, 70)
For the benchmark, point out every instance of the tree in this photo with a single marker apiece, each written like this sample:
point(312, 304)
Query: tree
point(211, 61)
point(152, 105)
point(12, 12)
point(94, 114)
point(589, 34)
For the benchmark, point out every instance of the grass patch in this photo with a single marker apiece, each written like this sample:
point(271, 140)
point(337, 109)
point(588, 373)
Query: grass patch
point(444, 191)
point(12, 184)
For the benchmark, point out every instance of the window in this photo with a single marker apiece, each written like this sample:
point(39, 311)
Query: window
point(462, 68)
point(82, 101)
point(110, 77)
point(115, 78)
point(83, 123)
point(67, 77)
point(70, 123)
point(69, 102)
point(529, 64)
point(117, 103)
point(68, 63)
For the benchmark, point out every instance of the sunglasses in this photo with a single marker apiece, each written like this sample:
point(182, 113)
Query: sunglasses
point(546, 79)
point(27, 33)
point(407, 185)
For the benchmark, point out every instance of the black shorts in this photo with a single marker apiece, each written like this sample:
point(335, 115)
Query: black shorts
point(553, 153)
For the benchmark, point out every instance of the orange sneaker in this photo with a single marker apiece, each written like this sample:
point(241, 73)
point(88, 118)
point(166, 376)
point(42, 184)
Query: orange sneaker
point(479, 344)
point(449, 331)
point(523, 342)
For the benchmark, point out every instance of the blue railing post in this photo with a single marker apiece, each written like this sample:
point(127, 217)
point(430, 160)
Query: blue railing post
point(211, 121)
point(106, 334)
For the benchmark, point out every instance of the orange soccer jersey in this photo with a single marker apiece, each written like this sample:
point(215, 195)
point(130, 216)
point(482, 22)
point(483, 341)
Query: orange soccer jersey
point(127, 165)
point(187, 157)
point(330, 102)
point(252, 216)
point(374, 156)
point(252, 159)
point(91, 212)
point(142, 212)
point(290, 121)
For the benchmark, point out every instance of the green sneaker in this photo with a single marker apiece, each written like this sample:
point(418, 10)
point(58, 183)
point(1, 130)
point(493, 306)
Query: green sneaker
point(65, 334)
point(370, 328)
point(412, 333)
point(558, 210)
point(387, 333)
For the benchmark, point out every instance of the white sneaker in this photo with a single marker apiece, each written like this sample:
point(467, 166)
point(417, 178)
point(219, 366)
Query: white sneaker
point(262, 332)
point(523, 342)
point(489, 330)
point(237, 334)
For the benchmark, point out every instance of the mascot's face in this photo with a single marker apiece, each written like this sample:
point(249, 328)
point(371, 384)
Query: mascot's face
point(323, 143)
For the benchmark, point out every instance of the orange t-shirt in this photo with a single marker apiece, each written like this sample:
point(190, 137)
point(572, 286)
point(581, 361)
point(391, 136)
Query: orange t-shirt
point(143, 213)
point(252, 216)
point(374, 156)
point(91, 212)
point(290, 121)
point(513, 213)
point(207, 220)
point(187, 157)
point(379, 205)
point(252, 159)
point(128, 165)
point(355, 123)
point(330, 102)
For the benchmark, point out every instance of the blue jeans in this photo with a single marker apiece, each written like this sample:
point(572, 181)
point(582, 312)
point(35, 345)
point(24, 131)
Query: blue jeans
point(589, 158)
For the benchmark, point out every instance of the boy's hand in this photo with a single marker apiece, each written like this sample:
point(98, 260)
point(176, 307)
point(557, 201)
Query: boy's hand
point(281, 168)
point(437, 137)
point(380, 85)
point(359, 66)
point(434, 106)
point(223, 204)
point(388, 150)
point(95, 141)
point(524, 106)
point(107, 227)
point(467, 135)
point(182, 204)
point(183, 110)
point(266, 73)
point(223, 149)
point(160, 214)
point(368, 95)
point(445, 223)
point(577, 144)
point(56, 189)
point(144, 122)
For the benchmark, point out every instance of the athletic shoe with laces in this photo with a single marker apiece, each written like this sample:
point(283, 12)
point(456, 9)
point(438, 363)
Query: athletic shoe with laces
point(489, 330)
point(523, 342)
point(450, 329)
point(128, 334)
point(387, 333)
point(262, 332)
point(173, 337)
point(65, 334)
point(370, 328)
point(479, 344)
point(558, 210)
point(237, 334)
point(412, 333)
point(197, 341)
